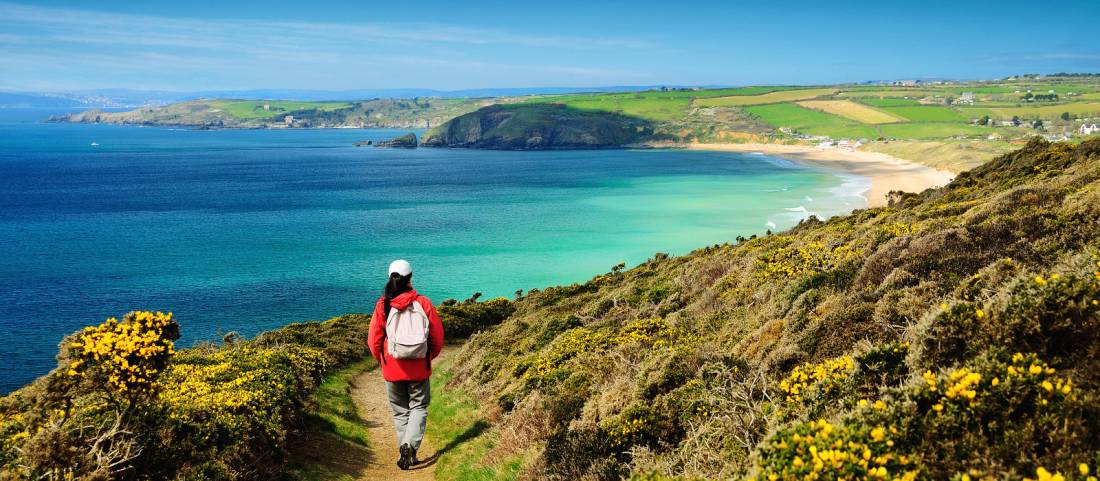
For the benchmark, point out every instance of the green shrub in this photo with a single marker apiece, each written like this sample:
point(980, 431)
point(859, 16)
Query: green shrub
point(581, 454)
point(882, 365)
point(463, 319)
point(1057, 316)
point(649, 425)
point(957, 332)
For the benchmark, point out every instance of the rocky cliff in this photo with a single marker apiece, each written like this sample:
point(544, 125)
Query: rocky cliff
point(538, 127)
point(407, 141)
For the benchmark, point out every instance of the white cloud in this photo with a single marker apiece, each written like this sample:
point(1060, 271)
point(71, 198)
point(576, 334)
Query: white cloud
point(100, 48)
point(131, 29)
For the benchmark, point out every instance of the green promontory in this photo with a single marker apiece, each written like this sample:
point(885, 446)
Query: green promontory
point(267, 114)
point(538, 127)
point(407, 141)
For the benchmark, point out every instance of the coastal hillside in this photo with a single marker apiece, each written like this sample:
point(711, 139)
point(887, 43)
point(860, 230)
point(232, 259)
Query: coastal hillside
point(950, 335)
point(538, 127)
point(949, 125)
point(229, 113)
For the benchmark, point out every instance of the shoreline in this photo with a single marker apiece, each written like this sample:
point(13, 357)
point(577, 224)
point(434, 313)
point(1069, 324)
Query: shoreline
point(886, 172)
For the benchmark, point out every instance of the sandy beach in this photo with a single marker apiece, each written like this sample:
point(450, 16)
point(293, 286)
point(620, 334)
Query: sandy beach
point(887, 173)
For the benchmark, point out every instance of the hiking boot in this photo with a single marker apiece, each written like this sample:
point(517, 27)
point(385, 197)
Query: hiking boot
point(407, 455)
point(413, 461)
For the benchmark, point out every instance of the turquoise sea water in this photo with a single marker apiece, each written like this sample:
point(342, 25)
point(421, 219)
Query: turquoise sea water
point(248, 230)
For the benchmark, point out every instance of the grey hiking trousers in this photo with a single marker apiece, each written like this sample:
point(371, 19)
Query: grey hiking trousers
point(409, 401)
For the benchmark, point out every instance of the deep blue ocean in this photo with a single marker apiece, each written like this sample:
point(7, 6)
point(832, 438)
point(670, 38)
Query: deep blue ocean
point(248, 230)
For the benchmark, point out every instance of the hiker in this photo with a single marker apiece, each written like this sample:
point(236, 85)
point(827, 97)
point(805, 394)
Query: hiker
point(405, 335)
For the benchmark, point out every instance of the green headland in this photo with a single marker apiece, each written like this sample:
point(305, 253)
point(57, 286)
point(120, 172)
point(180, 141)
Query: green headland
point(964, 123)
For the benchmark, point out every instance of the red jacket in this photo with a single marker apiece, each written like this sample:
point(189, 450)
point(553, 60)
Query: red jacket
point(404, 369)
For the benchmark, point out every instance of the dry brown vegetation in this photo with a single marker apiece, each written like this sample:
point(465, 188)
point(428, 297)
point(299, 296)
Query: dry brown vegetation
point(689, 366)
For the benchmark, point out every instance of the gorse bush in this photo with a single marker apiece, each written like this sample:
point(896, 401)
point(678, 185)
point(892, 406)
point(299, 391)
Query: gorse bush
point(127, 356)
point(951, 335)
point(124, 404)
point(462, 319)
point(231, 405)
point(789, 261)
point(818, 450)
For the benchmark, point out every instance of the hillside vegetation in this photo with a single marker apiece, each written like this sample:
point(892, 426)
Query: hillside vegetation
point(538, 127)
point(123, 404)
point(228, 113)
point(954, 334)
point(951, 335)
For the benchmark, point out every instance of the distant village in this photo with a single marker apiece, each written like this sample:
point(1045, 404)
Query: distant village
point(1064, 128)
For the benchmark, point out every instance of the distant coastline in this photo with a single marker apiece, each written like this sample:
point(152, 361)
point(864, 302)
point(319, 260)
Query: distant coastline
point(887, 173)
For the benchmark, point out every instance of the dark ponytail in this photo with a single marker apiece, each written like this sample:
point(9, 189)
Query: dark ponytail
point(395, 286)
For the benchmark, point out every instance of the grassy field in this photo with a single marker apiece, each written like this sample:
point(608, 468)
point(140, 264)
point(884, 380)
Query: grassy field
point(254, 109)
point(852, 110)
point(768, 98)
point(811, 121)
point(932, 130)
point(669, 105)
point(1060, 89)
point(890, 102)
point(704, 93)
point(926, 113)
point(889, 93)
point(1046, 112)
point(650, 107)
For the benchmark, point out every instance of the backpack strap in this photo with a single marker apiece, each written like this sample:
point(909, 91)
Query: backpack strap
point(386, 312)
point(427, 327)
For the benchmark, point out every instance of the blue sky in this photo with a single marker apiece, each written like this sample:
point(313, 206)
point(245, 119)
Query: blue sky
point(338, 45)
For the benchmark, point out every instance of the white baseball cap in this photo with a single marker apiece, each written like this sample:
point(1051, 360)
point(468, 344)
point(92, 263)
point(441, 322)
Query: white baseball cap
point(401, 266)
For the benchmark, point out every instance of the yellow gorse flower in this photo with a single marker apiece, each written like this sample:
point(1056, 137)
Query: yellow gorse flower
point(796, 261)
point(129, 354)
point(963, 387)
point(821, 375)
point(1043, 475)
point(819, 450)
point(232, 389)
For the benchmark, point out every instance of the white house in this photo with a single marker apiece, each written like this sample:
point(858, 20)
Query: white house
point(1089, 129)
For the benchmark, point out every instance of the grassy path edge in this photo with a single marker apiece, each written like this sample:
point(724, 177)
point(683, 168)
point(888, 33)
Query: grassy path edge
point(340, 445)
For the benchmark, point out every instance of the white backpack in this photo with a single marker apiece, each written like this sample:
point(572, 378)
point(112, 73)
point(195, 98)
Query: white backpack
point(407, 332)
